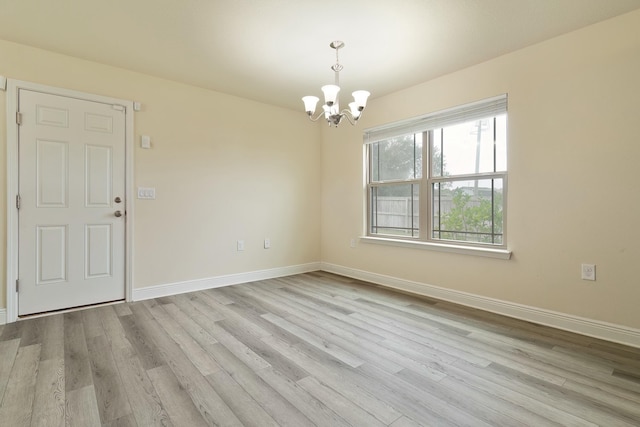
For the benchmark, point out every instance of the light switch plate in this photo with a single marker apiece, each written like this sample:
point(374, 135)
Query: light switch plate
point(145, 141)
point(146, 192)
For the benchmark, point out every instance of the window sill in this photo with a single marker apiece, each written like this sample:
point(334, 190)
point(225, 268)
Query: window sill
point(440, 247)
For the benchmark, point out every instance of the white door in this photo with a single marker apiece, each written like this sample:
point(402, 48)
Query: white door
point(71, 185)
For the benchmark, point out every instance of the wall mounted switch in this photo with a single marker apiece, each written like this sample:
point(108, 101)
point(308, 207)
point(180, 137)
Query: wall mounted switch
point(267, 243)
point(146, 193)
point(240, 245)
point(145, 141)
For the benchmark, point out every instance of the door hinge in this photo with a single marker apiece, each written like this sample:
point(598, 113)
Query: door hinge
point(18, 201)
point(17, 285)
point(18, 118)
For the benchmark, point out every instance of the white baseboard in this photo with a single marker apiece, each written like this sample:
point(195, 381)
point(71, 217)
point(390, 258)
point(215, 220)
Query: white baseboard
point(158, 291)
point(3, 316)
point(593, 328)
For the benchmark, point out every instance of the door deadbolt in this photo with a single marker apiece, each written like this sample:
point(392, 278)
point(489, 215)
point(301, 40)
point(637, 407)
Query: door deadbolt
point(117, 200)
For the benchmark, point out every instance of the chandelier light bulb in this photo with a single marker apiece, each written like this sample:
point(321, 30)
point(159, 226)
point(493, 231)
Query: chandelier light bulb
point(310, 103)
point(330, 94)
point(360, 98)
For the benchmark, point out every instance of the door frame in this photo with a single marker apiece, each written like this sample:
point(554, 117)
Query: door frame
point(13, 87)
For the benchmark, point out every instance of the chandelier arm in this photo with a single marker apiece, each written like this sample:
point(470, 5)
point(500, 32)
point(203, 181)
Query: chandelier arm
point(321, 114)
point(346, 113)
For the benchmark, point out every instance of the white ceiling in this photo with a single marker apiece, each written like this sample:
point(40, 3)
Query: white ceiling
point(276, 51)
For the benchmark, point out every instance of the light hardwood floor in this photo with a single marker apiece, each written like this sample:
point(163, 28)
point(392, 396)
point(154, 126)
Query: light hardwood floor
point(312, 349)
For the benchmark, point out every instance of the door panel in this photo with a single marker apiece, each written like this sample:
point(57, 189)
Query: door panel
point(52, 173)
point(98, 251)
point(98, 178)
point(71, 168)
point(51, 254)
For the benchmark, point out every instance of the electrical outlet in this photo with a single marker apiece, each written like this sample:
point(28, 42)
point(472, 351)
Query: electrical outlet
point(267, 243)
point(353, 243)
point(588, 272)
point(240, 245)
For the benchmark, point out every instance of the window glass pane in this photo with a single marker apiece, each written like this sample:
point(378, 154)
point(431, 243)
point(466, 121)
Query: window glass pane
point(436, 153)
point(467, 148)
point(436, 201)
point(398, 158)
point(501, 143)
point(395, 210)
point(468, 211)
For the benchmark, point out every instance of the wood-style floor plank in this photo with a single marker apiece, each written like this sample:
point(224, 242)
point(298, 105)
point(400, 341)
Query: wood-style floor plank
point(48, 404)
point(240, 402)
point(189, 346)
point(266, 355)
point(82, 408)
point(8, 352)
point(336, 375)
point(341, 406)
point(113, 328)
point(113, 402)
point(53, 338)
point(126, 421)
point(146, 349)
point(273, 403)
point(211, 407)
point(175, 400)
point(315, 410)
point(77, 369)
point(16, 408)
point(145, 403)
point(91, 323)
point(329, 348)
point(312, 349)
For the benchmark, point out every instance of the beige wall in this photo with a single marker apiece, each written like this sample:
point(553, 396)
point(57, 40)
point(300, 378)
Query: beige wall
point(224, 168)
point(573, 197)
point(227, 168)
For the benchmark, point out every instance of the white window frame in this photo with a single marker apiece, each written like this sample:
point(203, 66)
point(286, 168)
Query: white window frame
point(425, 124)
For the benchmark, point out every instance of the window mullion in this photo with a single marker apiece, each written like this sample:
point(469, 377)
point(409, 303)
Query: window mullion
point(425, 190)
point(485, 175)
point(495, 162)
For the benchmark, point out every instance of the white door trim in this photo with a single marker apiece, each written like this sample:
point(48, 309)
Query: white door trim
point(12, 183)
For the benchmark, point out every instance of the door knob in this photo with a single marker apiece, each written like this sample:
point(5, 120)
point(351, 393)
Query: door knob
point(118, 214)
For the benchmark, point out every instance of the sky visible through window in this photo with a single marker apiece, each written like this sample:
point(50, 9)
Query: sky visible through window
point(467, 151)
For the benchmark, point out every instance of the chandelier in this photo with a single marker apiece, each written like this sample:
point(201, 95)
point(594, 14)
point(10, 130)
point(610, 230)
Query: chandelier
point(331, 107)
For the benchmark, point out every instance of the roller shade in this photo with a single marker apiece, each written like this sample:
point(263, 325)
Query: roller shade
point(462, 113)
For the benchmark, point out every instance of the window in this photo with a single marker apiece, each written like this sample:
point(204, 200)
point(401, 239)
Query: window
point(440, 178)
